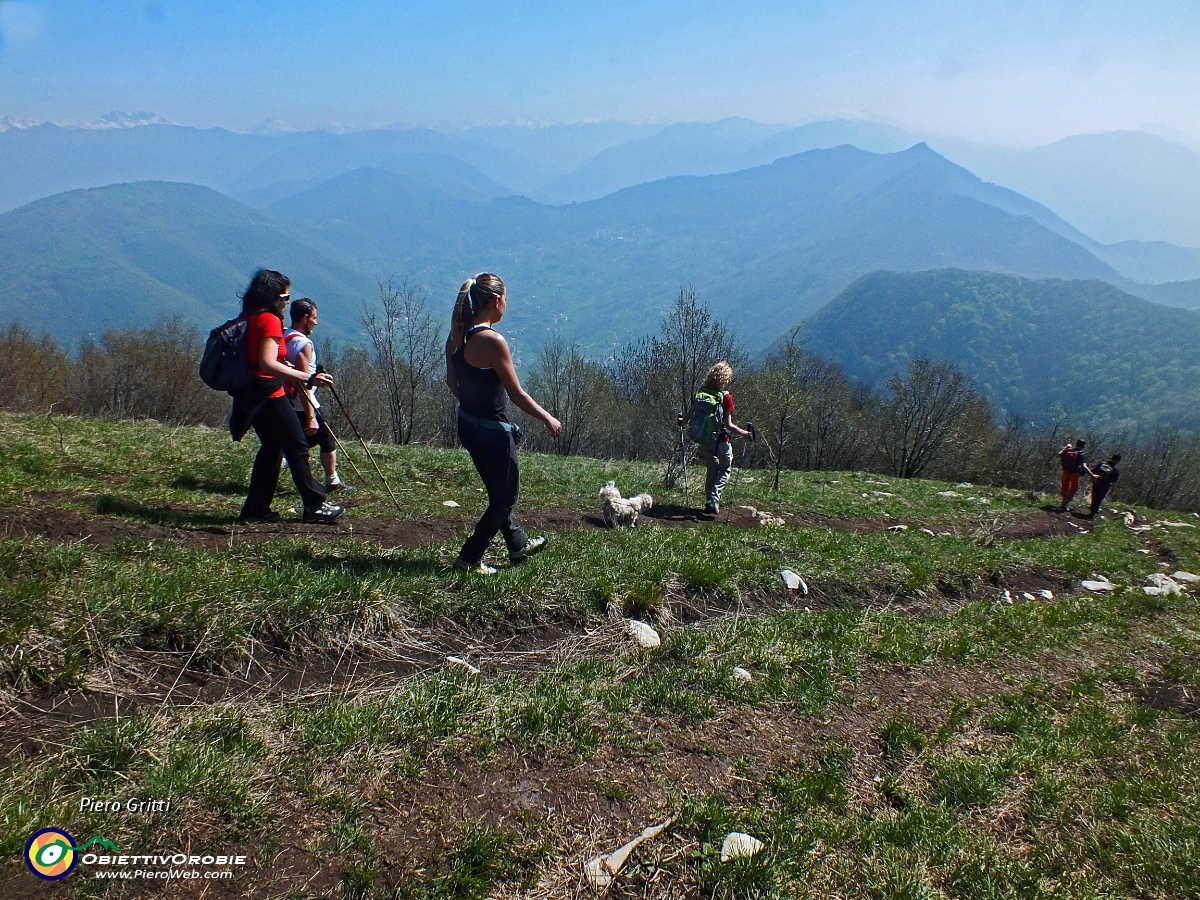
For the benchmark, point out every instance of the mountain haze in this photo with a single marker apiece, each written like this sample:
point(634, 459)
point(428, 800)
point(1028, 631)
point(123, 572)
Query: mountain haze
point(765, 247)
point(133, 254)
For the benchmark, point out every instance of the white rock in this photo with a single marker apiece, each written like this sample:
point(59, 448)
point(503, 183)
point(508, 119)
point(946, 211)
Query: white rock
point(1026, 595)
point(1008, 597)
point(792, 581)
point(1099, 587)
point(928, 532)
point(1185, 577)
point(603, 869)
point(1154, 591)
point(944, 534)
point(882, 494)
point(1177, 524)
point(965, 484)
point(1165, 583)
point(449, 503)
point(462, 664)
point(643, 635)
point(742, 675)
point(1046, 595)
point(1146, 552)
point(739, 846)
point(948, 494)
point(898, 528)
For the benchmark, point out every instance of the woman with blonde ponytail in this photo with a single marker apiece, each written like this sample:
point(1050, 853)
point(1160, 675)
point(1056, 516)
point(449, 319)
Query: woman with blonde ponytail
point(480, 374)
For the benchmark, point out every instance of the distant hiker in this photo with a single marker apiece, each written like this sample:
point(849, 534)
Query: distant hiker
point(710, 423)
point(479, 371)
point(265, 407)
point(302, 354)
point(1104, 477)
point(1073, 465)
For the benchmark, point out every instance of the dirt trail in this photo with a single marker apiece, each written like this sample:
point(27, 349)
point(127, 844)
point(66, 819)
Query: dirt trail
point(48, 519)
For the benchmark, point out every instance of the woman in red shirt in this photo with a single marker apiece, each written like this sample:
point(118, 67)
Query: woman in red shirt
point(265, 408)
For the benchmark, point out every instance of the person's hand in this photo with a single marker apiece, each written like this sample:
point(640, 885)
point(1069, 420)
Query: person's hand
point(311, 427)
point(554, 426)
point(321, 379)
point(679, 420)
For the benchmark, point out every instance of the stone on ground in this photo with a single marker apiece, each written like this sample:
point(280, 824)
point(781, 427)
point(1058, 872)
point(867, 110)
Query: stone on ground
point(739, 846)
point(603, 869)
point(792, 581)
point(643, 635)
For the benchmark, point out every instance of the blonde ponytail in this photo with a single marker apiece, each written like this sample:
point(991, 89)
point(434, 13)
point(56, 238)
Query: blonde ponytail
point(475, 295)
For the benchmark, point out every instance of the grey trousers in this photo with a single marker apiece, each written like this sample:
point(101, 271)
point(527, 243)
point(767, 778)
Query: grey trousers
point(718, 459)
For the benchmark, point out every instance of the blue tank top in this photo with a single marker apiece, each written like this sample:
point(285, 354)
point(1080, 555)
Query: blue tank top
point(480, 392)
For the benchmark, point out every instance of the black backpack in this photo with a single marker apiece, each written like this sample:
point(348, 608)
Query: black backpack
point(225, 365)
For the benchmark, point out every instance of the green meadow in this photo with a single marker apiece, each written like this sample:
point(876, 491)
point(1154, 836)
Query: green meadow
point(923, 723)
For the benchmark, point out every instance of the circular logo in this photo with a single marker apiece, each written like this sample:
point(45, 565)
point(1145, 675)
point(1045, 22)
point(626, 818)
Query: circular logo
point(50, 854)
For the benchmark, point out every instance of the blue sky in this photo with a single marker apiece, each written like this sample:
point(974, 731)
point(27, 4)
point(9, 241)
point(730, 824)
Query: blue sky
point(1015, 71)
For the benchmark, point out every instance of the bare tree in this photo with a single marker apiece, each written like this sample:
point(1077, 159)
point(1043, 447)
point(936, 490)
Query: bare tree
point(405, 341)
point(783, 396)
point(574, 389)
point(923, 415)
point(37, 370)
point(148, 373)
point(658, 376)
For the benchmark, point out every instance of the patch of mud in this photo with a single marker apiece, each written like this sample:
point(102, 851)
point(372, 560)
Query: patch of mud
point(1171, 696)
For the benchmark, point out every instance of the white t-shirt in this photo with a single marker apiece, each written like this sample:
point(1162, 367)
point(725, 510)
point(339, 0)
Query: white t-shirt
point(295, 342)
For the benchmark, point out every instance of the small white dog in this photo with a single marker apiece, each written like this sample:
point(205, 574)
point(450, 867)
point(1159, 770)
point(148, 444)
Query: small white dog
point(618, 510)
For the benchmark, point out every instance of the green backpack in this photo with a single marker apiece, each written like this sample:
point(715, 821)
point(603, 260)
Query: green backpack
point(708, 417)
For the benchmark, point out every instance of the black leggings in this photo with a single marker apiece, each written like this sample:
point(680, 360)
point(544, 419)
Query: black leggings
point(279, 431)
point(495, 458)
point(323, 438)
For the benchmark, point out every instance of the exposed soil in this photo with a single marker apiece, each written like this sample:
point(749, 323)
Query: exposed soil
point(43, 516)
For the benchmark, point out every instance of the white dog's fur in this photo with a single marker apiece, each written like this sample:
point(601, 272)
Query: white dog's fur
point(618, 510)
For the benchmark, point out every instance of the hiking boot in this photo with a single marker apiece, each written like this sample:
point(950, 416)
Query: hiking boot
point(712, 508)
point(246, 518)
point(536, 545)
point(339, 487)
point(325, 514)
point(478, 568)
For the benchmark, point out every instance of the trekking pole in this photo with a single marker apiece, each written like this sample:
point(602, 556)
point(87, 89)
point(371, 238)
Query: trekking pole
point(687, 498)
point(370, 456)
point(741, 460)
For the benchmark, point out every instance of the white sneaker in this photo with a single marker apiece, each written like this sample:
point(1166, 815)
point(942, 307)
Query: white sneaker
point(478, 568)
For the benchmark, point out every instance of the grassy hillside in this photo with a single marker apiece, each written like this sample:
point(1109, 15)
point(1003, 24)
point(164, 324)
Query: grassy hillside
point(132, 254)
point(1107, 357)
point(924, 722)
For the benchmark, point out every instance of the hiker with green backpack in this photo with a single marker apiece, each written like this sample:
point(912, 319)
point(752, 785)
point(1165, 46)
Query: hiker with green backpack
point(709, 423)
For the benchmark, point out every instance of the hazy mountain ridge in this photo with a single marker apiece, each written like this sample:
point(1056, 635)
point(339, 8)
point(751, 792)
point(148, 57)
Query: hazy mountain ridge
point(130, 255)
point(1111, 188)
point(1107, 357)
point(781, 239)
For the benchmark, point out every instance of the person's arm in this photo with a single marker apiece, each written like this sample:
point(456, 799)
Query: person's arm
point(497, 352)
point(304, 363)
point(730, 427)
point(451, 375)
point(269, 364)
